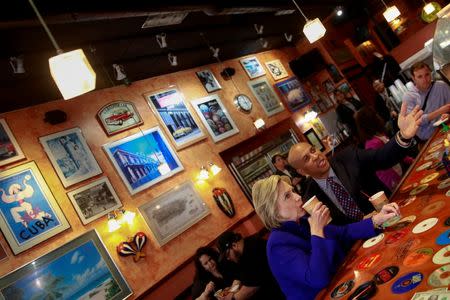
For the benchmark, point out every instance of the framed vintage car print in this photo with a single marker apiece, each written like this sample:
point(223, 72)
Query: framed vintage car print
point(118, 116)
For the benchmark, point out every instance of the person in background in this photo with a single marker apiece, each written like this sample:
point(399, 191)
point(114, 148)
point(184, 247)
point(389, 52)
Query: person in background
point(345, 110)
point(303, 251)
point(433, 97)
point(283, 168)
point(385, 108)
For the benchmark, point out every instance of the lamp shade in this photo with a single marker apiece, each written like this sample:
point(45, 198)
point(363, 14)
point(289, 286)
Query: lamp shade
point(314, 30)
point(391, 13)
point(72, 73)
point(429, 8)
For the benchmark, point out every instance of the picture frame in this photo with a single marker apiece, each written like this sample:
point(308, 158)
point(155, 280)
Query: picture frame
point(334, 73)
point(276, 69)
point(10, 150)
point(29, 213)
point(252, 67)
point(143, 159)
point(314, 139)
point(294, 93)
point(266, 96)
point(174, 116)
point(328, 86)
point(119, 116)
point(76, 270)
point(208, 80)
point(70, 156)
point(173, 212)
point(215, 117)
point(94, 200)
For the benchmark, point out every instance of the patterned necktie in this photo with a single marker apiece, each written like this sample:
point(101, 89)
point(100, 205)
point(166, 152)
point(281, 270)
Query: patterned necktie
point(349, 206)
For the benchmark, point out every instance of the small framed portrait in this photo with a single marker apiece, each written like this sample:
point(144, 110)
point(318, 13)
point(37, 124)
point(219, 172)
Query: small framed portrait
point(253, 67)
point(175, 118)
point(94, 200)
point(208, 80)
point(173, 212)
point(9, 148)
point(70, 156)
point(294, 93)
point(215, 117)
point(266, 96)
point(314, 139)
point(118, 116)
point(29, 213)
point(328, 86)
point(276, 69)
point(143, 159)
point(79, 269)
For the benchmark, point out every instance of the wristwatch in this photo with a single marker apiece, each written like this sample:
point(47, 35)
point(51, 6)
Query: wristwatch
point(404, 140)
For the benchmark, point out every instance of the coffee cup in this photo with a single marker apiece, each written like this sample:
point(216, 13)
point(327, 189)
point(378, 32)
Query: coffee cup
point(309, 205)
point(378, 200)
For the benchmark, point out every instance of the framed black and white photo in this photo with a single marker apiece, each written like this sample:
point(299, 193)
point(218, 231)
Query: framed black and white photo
point(9, 148)
point(94, 200)
point(266, 96)
point(314, 139)
point(276, 69)
point(208, 80)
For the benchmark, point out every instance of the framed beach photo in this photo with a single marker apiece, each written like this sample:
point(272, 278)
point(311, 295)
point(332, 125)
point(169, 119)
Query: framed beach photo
point(215, 117)
point(29, 213)
point(266, 96)
point(175, 118)
point(276, 69)
point(252, 66)
point(294, 93)
point(9, 148)
point(79, 269)
point(143, 159)
point(70, 156)
point(173, 212)
point(208, 80)
point(118, 116)
point(314, 139)
point(94, 200)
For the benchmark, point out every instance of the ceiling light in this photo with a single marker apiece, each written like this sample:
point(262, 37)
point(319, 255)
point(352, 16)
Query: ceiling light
point(391, 13)
point(429, 8)
point(313, 29)
point(339, 11)
point(172, 59)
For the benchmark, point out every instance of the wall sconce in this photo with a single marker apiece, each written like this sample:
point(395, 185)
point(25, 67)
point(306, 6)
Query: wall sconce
point(203, 175)
point(118, 217)
point(391, 13)
point(259, 124)
point(16, 63)
point(215, 169)
point(309, 116)
point(172, 59)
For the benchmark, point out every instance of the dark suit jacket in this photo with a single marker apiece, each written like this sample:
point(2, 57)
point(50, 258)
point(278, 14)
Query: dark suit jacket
point(382, 109)
point(356, 168)
point(345, 115)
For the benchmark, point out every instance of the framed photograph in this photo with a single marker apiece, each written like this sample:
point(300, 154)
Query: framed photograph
point(118, 116)
point(174, 116)
point(334, 73)
point(208, 80)
point(29, 213)
point(70, 156)
point(215, 117)
point(174, 212)
point(252, 66)
point(314, 139)
point(276, 69)
point(327, 100)
point(328, 86)
point(294, 93)
point(9, 148)
point(143, 159)
point(80, 269)
point(266, 96)
point(94, 200)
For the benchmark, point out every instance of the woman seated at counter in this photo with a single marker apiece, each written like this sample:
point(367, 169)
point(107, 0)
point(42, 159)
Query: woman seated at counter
point(303, 251)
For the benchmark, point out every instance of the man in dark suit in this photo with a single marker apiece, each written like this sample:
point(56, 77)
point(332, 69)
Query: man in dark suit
point(346, 109)
point(385, 107)
point(284, 169)
point(344, 182)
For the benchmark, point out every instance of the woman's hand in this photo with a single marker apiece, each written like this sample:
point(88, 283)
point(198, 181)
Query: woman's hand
point(409, 123)
point(320, 217)
point(209, 288)
point(388, 211)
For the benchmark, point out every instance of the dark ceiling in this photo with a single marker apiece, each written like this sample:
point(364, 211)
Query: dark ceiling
point(111, 32)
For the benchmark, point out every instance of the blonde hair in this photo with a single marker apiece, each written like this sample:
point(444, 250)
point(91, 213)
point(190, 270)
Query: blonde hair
point(265, 194)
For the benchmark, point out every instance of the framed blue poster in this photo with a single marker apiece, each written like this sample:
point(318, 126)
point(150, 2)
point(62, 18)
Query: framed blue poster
point(294, 93)
point(29, 214)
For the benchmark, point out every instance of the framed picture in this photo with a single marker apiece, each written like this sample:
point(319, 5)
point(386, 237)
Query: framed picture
point(294, 93)
point(29, 213)
point(174, 212)
point(70, 156)
point(118, 116)
point(327, 100)
point(215, 117)
point(276, 69)
point(334, 73)
point(208, 80)
point(347, 90)
point(314, 139)
point(174, 116)
point(94, 200)
point(143, 159)
point(328, 86)
point(80, 269)
point(252, 66)
point(266, 96)
point(9, 148)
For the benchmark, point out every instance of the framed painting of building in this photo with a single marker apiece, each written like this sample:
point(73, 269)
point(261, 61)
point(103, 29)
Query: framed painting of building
point(70, 156)
point(143, 159)
point(252, 66)
point(29, 213)
point(118, 116)
point(266, 96)
point(9, 148)
point(294, 93)
point(175, 118)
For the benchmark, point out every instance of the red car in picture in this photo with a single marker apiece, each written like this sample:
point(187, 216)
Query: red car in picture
point(119, 117)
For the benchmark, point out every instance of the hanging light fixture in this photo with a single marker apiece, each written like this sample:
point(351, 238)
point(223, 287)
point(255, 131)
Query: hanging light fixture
point(71, 71)
point(391, 13)
point(313, 29)
point(428, 8)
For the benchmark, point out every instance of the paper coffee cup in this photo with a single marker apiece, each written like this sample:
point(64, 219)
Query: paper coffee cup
point(310, 204)
point(378, 200)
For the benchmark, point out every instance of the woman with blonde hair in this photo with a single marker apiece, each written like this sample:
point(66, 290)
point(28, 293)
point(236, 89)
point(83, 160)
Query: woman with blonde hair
point(303, 251)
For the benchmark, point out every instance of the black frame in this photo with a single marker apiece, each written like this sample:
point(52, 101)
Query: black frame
point(310, 131)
